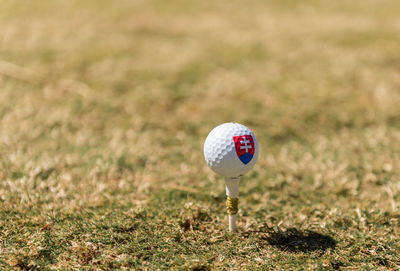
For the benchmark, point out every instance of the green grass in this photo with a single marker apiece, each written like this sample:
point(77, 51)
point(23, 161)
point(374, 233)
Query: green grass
point(104, 108)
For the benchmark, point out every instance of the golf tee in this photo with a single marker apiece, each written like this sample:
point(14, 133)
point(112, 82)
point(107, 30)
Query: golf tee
point(232, 193)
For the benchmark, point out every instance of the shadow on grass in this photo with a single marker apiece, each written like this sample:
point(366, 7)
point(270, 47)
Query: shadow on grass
point(293, 240)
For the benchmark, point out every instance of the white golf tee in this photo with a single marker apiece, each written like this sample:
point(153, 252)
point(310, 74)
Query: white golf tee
point(232, 192)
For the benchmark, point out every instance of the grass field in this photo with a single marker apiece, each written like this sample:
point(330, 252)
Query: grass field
point(105, 105)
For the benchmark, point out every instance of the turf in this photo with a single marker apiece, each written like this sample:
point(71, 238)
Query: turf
point(105, 105)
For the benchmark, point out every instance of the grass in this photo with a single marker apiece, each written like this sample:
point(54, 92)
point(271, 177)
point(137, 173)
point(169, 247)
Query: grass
point(104, 107)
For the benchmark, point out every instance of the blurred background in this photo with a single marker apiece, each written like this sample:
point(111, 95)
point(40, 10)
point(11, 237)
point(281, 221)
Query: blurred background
point(106, 104)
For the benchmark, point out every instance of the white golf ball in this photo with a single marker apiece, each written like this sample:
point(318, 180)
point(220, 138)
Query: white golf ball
point(231, 149)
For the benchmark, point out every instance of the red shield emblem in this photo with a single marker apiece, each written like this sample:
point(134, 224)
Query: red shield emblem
point(244, 146)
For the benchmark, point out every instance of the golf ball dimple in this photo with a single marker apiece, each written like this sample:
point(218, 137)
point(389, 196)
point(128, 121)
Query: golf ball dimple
point(231, 149)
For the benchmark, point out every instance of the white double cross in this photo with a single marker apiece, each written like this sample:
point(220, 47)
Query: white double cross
point(245, 144)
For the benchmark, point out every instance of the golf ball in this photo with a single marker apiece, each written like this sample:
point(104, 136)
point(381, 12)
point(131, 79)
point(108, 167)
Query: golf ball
point(231, 149)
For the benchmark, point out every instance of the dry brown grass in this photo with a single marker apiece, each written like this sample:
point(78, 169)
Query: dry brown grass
point(104, 107)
